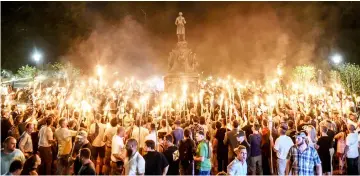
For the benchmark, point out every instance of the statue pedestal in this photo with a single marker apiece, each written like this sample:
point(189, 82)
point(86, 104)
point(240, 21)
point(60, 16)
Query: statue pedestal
point(174, 82)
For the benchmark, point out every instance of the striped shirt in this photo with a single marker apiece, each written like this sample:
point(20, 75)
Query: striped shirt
point(303, 163)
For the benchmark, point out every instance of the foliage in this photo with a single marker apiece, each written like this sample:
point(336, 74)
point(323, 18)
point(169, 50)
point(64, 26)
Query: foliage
point(304, 74)
point(27, 72)
point(350, 77)
point(60, 70)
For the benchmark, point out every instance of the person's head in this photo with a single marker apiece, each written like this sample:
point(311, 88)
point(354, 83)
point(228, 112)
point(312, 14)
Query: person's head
point(29, 127)
point(63, 123)
point(121, 131)
point(235, 124)
point(241, 153)
point(98, 118)
point(290, 124)
point(323, 129)
point(149, 145)
point(256, 127)
point(163, 123)
point(283, 128)
point(187, 133)
point(82, 137)
point(113, 122)
point(351, 128)
point(131, 147)
point(10, 144)
point(240, 136)
point(180, 13)
point(16, 167)
point(218, 125)
point(177, 123)
point(85, 154)
point(265, 123)
point(32, 162)
point(300, 138)
point(49, 121)
point(200, 136)
point(311, 133)
point(169, 139)
point(152, 127)
point(196, 119)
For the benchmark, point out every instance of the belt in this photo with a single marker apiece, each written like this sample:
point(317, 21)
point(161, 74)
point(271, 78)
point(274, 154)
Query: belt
point(108, 147)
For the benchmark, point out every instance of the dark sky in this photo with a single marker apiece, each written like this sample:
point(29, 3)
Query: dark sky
point(135, 38)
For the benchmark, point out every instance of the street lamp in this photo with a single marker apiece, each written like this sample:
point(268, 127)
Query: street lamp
point(36, 56)
point(337, 59)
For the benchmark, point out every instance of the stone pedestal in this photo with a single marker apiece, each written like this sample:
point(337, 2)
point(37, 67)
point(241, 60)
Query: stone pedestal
point(182, 69)
point(174, 82)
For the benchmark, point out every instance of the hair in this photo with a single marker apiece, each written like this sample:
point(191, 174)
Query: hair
point(169, 138)
point(150, 144)
point(119, 129)
point(240, 147)
point(351, 127)
point(196, 119)
point(291, 124)
point(312, 133)
point(15, 165)
point(132, 141)
point(163, 123)
point(48, 121)
point(152, 126)
point(113, 122)
point(324, 129)
point(235, 124)
point(61, 121)
point(202, 120)
point(223, 122)
point(218, 125)
point(85, 152)
point(201, 133)
point(29, 165)
point(8, 139)
point(187, 132)
point(256, 126)
point(27, 126)
point(265, 122)
point(98, 117)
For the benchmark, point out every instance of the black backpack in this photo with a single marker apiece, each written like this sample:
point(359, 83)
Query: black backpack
point(185, 150)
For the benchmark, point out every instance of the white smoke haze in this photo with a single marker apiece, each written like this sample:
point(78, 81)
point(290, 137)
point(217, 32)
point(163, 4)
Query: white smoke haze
point(243, 39)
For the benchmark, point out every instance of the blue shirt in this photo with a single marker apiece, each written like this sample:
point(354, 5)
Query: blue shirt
point(178, 134)
point(7, 159)
point(303, 163)
point(255, 144)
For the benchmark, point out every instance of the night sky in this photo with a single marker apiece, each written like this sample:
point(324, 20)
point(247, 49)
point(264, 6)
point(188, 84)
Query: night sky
point(135, 38)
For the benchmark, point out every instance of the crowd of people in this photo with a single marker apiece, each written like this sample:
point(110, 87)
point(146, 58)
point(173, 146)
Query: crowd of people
point(44, 132)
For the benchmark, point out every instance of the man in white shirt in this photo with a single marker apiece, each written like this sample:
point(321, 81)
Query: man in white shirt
point(282, 146)
point(238, 166)
point(134, 162)
point(139, 133)
point(98, 143)
point(117, 152)
point(25, 143)
point(45, 140)
point(108, 136)
point(152, 135)
point(64, 138)
point(351, 151)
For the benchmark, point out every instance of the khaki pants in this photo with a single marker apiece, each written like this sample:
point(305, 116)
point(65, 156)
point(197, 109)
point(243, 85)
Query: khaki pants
point(256, 165)
point(281, 166)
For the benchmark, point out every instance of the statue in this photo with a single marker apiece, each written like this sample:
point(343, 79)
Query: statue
point(180, 30)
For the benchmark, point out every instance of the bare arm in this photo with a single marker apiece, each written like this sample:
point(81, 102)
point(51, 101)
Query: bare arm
point(166, 170)
point(318, 169)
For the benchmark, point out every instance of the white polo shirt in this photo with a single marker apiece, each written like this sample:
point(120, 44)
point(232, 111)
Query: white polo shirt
point(116, 146)
point(352, 141)
point(283, 145)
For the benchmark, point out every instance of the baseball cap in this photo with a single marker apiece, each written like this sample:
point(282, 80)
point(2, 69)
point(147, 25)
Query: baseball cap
point(300, 134)
point(82, 134)
point(240, 133)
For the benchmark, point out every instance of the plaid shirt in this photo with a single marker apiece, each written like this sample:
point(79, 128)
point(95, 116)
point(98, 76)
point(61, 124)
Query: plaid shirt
point(303, 163)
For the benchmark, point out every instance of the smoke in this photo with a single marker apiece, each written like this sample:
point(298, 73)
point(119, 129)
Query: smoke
point(243, 39)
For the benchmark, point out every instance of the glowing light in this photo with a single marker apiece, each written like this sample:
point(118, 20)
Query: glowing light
point(99, 70)
point(36, 56)
point(337, 59)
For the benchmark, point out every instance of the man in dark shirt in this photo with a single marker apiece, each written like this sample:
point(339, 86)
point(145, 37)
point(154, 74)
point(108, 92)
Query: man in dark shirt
point(155, 162)
point(88, 167)
point(248, 128)
point(222, 149)
point(255, 156)
point(331, 135)
point(230, 140)
point(172, 155)
point(186, 151)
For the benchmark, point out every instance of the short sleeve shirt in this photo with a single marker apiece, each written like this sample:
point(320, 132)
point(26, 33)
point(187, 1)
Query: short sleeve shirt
point(116, 147)
point(202, 150)
point(303, 163)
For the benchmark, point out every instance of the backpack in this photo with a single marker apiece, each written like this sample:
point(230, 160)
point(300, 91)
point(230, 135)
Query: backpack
point(185, 150)
point(92, 137)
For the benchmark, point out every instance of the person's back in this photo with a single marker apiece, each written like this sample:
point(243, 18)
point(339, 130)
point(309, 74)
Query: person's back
point(170, 154)
point(178, 134)
point(155, 162)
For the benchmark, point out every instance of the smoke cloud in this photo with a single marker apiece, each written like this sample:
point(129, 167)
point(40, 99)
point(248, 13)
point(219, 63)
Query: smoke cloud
point(244, 39)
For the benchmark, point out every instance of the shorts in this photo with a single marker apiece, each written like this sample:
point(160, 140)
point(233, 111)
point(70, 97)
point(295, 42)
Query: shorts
point(98, 151)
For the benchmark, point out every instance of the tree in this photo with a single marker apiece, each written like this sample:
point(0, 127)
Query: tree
point(27, 72)
point(304, 74)
point(350, 78)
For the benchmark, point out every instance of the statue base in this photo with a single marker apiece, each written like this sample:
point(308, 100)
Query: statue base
point(174, 82)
